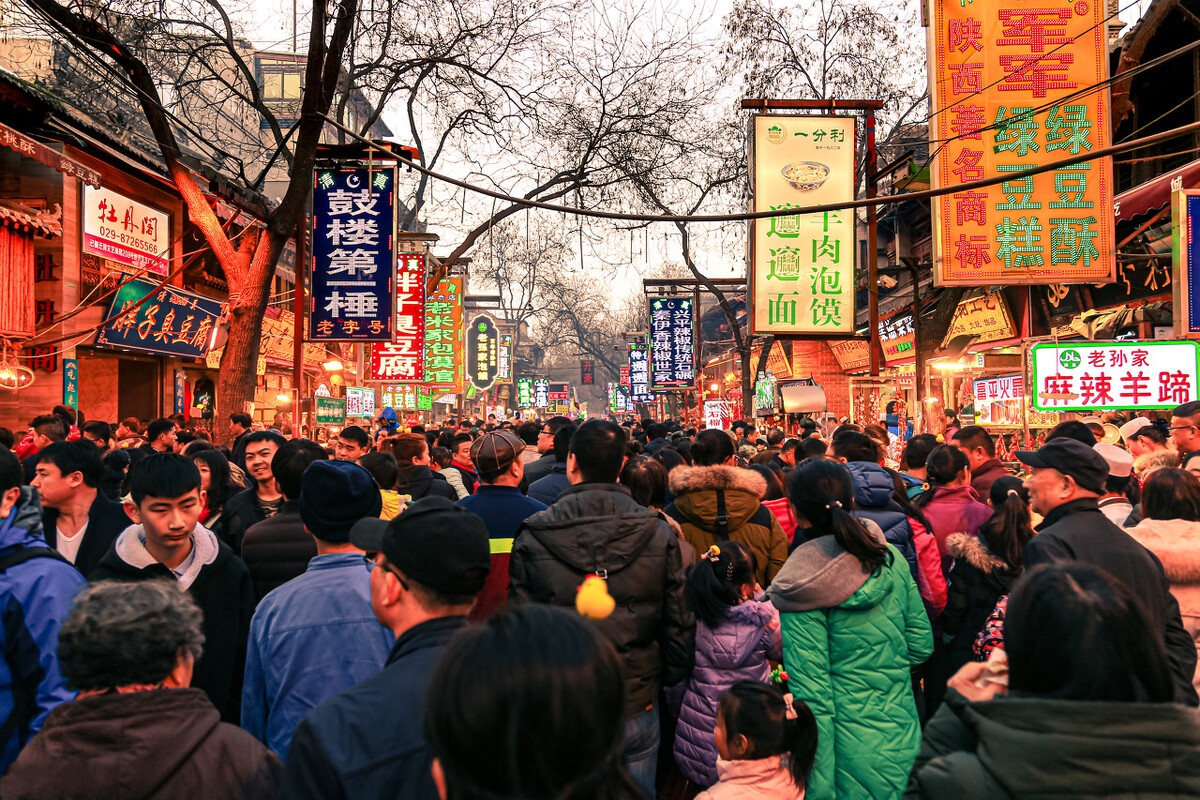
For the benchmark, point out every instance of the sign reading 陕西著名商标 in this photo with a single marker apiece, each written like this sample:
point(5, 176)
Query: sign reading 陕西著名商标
point(330, 410)
point(353, 254)
point(483, 352)
point(672, 342)
point(1185, 255)
point(639, 372)
point(172, 322)
point(125, 232)
point(802, 271)
point(1017, 86)
point(1094, 376)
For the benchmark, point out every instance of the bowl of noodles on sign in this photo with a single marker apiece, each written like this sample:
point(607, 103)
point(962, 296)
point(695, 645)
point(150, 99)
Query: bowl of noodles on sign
point(805, 176)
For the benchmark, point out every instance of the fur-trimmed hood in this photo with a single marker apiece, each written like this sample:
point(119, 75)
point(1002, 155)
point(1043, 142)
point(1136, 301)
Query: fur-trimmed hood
point(1176, 542)
point(696, 488)
point(1155, 460)
point(974, 551)
point(692, 479)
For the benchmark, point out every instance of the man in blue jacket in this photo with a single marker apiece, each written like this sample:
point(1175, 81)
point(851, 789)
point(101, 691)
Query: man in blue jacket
point(36, 588)
point(369, 741)
point(316, 635)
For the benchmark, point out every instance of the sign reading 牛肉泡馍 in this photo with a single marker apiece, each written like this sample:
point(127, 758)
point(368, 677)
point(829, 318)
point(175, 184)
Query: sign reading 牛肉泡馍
point(1091, 376)
point(802, 272)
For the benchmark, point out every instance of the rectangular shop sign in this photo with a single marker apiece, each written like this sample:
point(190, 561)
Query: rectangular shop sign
point(360, 401)
point(1017, 86)
point(541, 393)
point(985, 318)
point(353, 255)
point(1185, 254)
point(483, 352)
point(172, 322)
point(672, 342)
point(330, 410)
point(802, 271)
point(558, 392)
point(639, 372)
point(504, 366)
point(180, 390)
point(128, 233)
point(524, 392)
point(408, 338)
point(71, 382)
point(587, 372)
point(853, 355)
point(717, 414)
point(898, 336)
point(444, 362)
point(1094, 376)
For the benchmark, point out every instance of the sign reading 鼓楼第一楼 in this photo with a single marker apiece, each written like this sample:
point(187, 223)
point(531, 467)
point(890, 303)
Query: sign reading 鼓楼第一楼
point(171, 322)
point(353, 254)
point(672, 342)
point(1094, 376)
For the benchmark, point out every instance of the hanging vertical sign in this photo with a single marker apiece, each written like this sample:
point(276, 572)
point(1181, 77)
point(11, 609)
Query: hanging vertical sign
point(504, 365)
point(180, 392)
point(483, 352)
point(408, 337)
point(71, 382)
point(672, 343)
point(524, 392)
point(541, 393)
point(802, 271)
point(639, 372)
point(443, 336)
point(1185, 254)
point(587, 372)
point(353, 255)
point(1016, 86)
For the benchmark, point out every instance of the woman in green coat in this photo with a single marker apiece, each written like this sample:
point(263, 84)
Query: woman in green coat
point(853, 627)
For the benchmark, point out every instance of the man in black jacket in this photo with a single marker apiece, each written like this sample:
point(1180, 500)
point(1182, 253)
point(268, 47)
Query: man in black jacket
point(596, 527)
point(369, 741)
point(79, 522)
point(1068, 478)
point(263, 499)
point(536, 470)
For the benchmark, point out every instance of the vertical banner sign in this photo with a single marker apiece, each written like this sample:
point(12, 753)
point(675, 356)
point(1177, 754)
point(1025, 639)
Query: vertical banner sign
point(353, 255)
point(393, 361)
point(587, 372)
point(408, 338)
point(802, 273)
point(672, 343)
point(541, 393)
point(71, 382)
point(180, 391)
point(443, 336)
point(483, 352)
point(639, 372)
point(524, 392)
point(1185, 254)
point(504, 366)
point(1014, 86)
point(1087, 376)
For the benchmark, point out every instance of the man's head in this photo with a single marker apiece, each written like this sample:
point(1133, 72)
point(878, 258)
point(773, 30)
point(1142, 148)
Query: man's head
point(160, 433)
point(352, 443)
point(1063, 470)
point(775, 437)
point(654, 430)
point(47, 429)
point(130, 426)
point(528, 431)
point(851, 446)
point(562, 443)
point(917, 450)
point(597, 452)
point(497, 458)
point(1185, 427)
point(383, 468)
point(977, 443)
point(11, 478)
point(545, 442)
point(462, 449)
point(1072, 429)
point(67, 469)
point(260, 450)
point(239, 424)
point(1120, 467)
point(290, 461)
point(165, 498)
point(1141, 436)
point(333, 496)
point(787, 451)
point(97, 432)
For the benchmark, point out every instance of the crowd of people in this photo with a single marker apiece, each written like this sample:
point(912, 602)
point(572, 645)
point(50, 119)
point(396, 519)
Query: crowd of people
point(568, 609)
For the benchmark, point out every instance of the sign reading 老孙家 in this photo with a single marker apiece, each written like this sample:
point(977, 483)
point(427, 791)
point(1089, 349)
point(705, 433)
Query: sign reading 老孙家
point(1017, 86)
point(639, 372)
point(541, 393)
point(443, 336)
point(353, 255)
point(330, 410)
point(125, 231)
point(1090, 376)
point(172, 322)
point(802, 274)
point(1185, 254)
point(672, 343)
point(483, 352)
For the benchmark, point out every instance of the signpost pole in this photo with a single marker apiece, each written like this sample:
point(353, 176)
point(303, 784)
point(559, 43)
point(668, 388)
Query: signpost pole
point(873, 248)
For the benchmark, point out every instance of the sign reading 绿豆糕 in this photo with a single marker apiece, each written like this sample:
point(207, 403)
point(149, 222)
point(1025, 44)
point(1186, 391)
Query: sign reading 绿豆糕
point(353, 254)
point(483, 352)
point(672, 342)
point(330, 410)
point(1091, 376)
point(1017, 86)
point(802, 271)
point(172, 322)
point(125, 232)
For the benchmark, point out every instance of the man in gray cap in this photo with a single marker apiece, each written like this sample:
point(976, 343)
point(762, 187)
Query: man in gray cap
point(368, 742)
point(1066, 482)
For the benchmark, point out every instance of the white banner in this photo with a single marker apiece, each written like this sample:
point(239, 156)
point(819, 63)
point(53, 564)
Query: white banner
point(125, 231)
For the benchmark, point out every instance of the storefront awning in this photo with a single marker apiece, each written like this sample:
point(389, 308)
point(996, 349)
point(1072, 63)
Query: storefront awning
point(803, 398)
point(19, 142)
point(1155, 194)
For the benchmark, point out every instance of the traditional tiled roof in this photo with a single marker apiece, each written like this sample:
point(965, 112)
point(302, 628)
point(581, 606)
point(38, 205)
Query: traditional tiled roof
point(41, 223)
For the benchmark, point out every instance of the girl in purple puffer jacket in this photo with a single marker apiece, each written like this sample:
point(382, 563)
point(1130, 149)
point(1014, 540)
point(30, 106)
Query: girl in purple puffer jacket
point(736, 634)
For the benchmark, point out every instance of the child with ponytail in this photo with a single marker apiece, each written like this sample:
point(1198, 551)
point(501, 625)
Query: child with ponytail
point(736, 634)
point(767, 742)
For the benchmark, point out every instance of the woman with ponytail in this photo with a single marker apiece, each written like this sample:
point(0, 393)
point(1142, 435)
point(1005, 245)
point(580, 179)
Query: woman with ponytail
point(853, 627)
point(950, 504)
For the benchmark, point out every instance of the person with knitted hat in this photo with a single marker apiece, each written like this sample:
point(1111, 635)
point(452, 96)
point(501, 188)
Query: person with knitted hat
point(316, 635)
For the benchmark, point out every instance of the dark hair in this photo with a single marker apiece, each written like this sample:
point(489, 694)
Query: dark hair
point(459, 439)
point(382, 467)
point(241, 419)
point(713, 446)
point(812, 447)
point(78, 456)
point(548, 722)
point(654, 430)
point(1126, 486)
point(684, 448)
point(917, 450)
point(97, 428)
point(528, 431)
point(290, 461)
point(1008, 530)
point(7, 440)
point(1074, 632)
point(116, 465)
point(758, 711)
point(1072, 429)
point(264, 436)
point(669, 457)
point(774, 482)
point(440, 456)
point(49, 426)
point(406, 447)
point(974, 436)
point(855, 446)
point(134, 424)
point(599, 450)
point(353, 433)
point(775, 437)
point(11, 473)
point(68, 414)
point(822, 492)
point(789, 445)
point(158, 427)
point(713, 586)
point(1157, 431)
point(163, 475)
point(562, 443)
point(1187, 410)
point(220, 481)
point(556, 424)
point(1170, 494)
point(941, 467)
point(646, 479)
point(198, 446)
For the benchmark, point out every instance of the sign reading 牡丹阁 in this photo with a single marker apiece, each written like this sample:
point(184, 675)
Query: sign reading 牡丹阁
point(125, 231)
point(353, 255)
point(639, 372)
point(1015, 86)
point(1091, 376)
point(672, 342)
point(483, 352)
point(444, 360)
point(802, 272)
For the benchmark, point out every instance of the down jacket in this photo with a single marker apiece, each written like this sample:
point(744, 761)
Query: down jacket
point(873, 489)
point(1176, 542)
point(849, 642)
point(736, 650)
point(978, 579)
point(954, 509)
point(698, 493)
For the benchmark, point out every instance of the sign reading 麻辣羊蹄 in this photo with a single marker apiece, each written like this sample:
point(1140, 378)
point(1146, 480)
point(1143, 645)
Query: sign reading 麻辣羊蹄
point(125, 232)
point(1014, 86)
point(1092, 376)
point(802, 272)
point(672, 342)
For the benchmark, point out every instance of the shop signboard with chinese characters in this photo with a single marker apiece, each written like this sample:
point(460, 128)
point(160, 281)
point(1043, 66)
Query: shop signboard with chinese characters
point(766, 394)
point(541, 392)
point(406, 351)
point(898, 335)
point(444, 362)
point(330, 410)
point(1017, 86)
point(718, 414)
point(558, 392)
point(524, 392)
point(672, 343)
point(1185, 254)
point(127, 233)
point(985, 319)
point(483, 352)
point(172, 322)
point(396, 361)
point(616, 399)
point(360, 402)
point(353, 255)
point(504, 365)
point(180, 391)
point(639, 372)
point(1094, 376)
point(587, 372)
point(802, 272)
point(998, 400)
point(71, 382)
point(853, 355)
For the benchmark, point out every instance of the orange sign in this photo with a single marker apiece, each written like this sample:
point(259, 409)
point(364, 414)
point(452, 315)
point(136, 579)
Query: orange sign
point(853, 355)
point(1015, 86)
point(986, 318)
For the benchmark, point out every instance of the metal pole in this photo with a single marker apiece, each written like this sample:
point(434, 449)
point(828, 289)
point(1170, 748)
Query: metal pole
point(876, 349)
point(298, 324)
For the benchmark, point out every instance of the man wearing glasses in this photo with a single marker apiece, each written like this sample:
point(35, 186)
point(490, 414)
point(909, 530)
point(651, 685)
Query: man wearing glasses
point(545, 446)
point(1185, 435)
